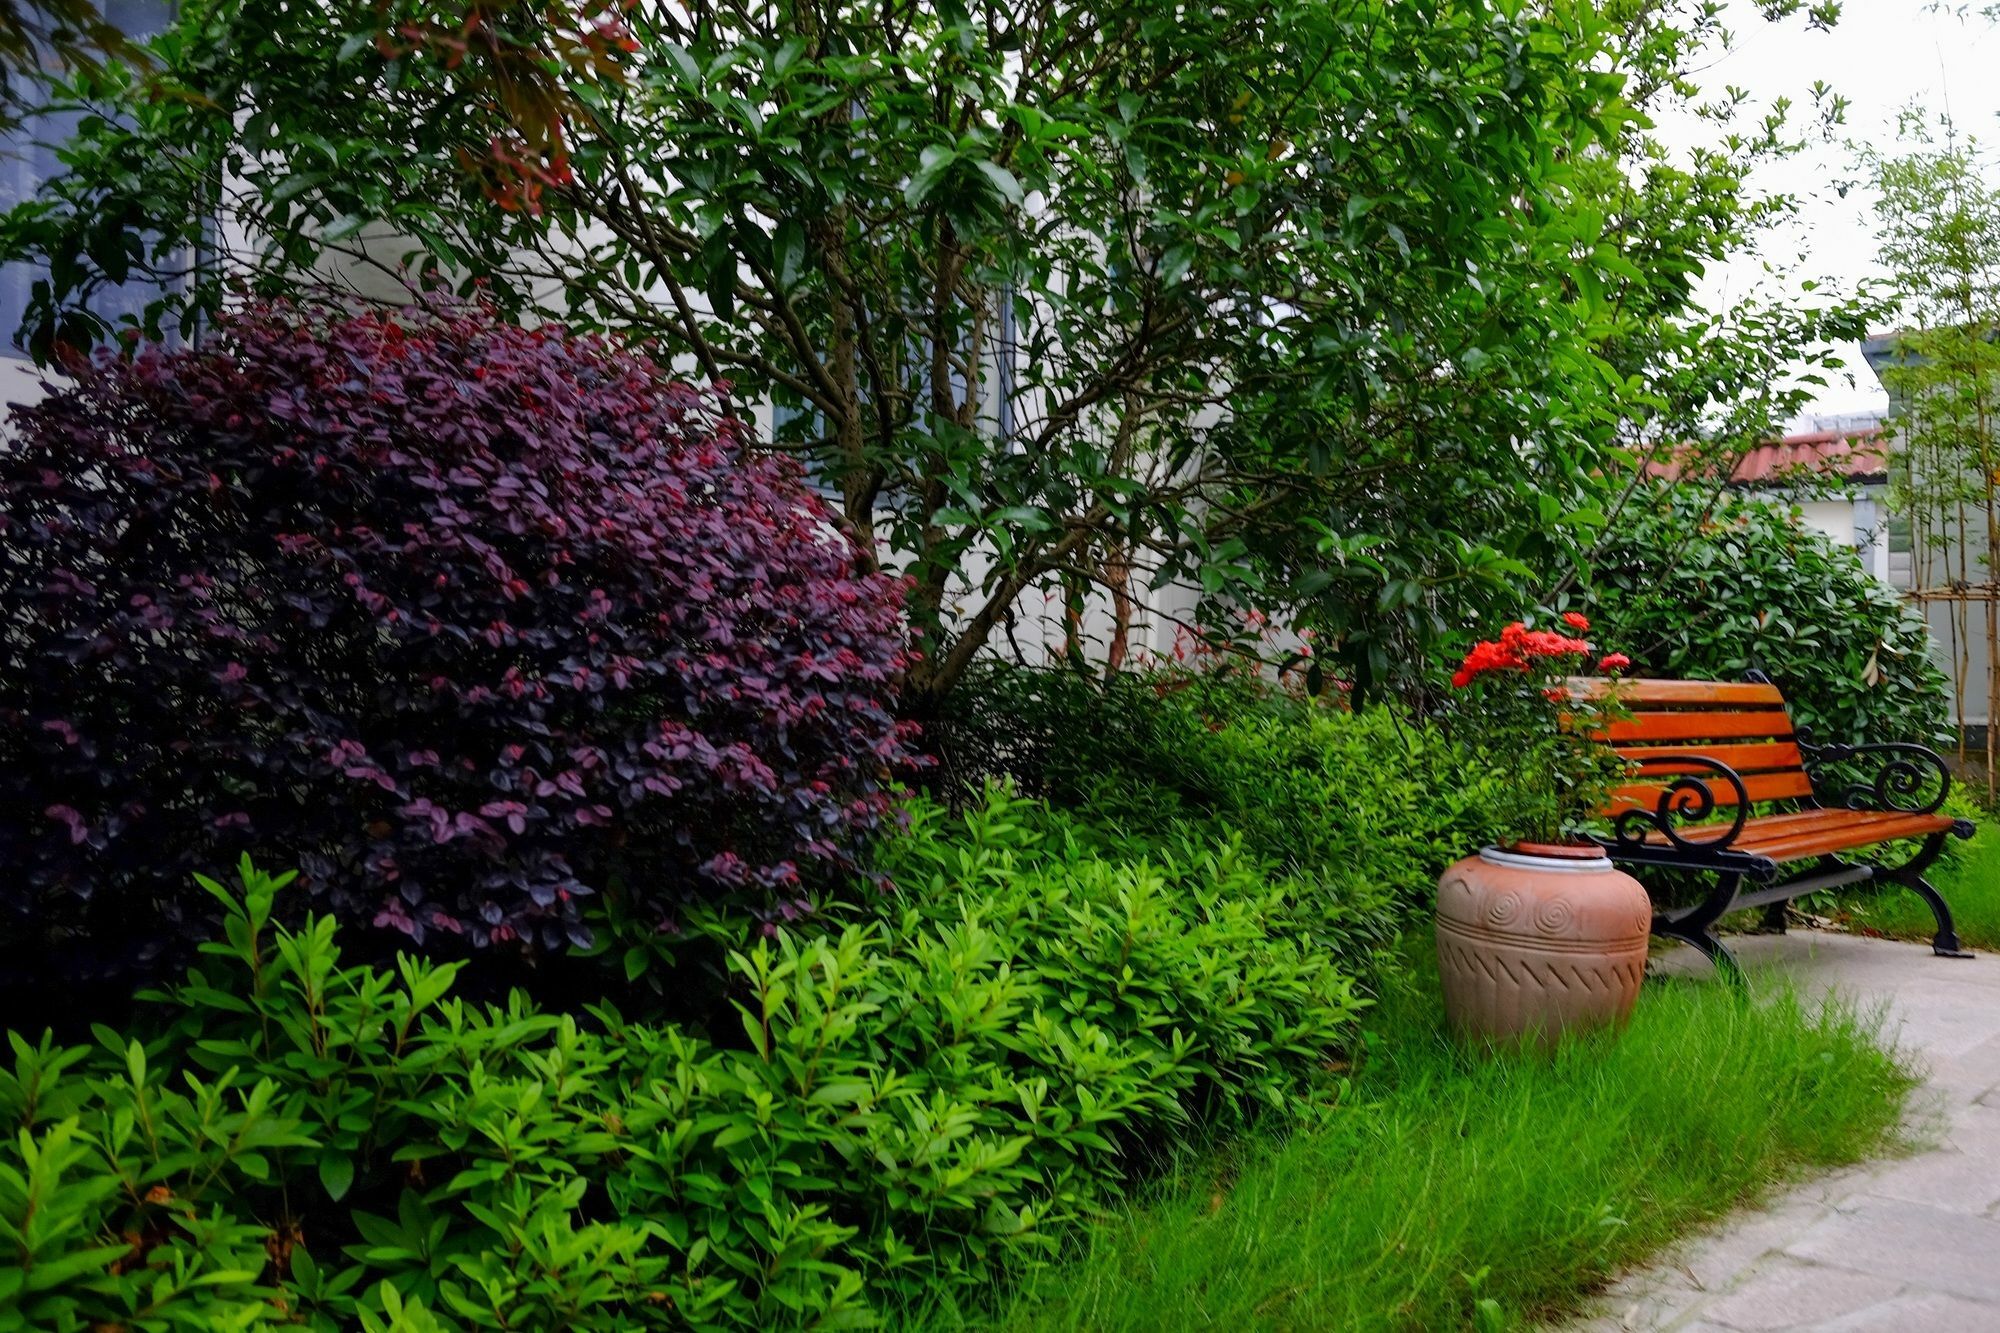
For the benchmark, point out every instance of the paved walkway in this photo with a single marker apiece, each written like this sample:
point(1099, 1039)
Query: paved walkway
point(1912, 1243)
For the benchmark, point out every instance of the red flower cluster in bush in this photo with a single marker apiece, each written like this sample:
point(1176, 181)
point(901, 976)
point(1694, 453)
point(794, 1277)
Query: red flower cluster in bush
point(464, 619)
point(1516, 647)
point(1535, 723)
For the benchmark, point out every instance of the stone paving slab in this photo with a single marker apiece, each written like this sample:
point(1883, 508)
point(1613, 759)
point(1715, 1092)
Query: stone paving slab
point(1910, 1243)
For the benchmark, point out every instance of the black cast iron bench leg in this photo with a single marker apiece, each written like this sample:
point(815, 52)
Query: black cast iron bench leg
point(1711, 948)
point(1693, 928)
point(1945, 943)
point(1911, 876)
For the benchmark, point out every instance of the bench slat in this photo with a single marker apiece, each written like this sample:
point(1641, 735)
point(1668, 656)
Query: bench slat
point(1760, 786)
point(1754, 757)
point(1698, 726)
point(1800, 834)
point(1862, 831)
point(1775, 826)
point(1778, 825)
point(1642, 692)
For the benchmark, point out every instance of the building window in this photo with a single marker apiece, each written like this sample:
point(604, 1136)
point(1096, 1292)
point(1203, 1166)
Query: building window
point(28, 158)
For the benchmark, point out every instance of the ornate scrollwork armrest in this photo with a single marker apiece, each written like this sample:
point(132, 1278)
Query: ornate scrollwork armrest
point(1686, 799)
point(1902, 781)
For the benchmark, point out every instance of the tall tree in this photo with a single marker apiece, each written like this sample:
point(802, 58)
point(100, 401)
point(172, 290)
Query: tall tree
point(1345, 303)
point(1938, 209)
point(1642, 361)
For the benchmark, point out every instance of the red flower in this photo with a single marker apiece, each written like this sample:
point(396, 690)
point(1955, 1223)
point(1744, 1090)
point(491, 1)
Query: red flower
point(1518, 647)
point(1547, 643)
point(1613, 662)
point(1486, 658)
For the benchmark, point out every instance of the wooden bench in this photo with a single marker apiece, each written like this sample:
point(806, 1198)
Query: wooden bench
point(1722, 783)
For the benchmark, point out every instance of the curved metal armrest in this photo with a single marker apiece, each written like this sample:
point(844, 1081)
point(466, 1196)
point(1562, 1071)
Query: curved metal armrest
point(1901, 779)
point(1687, 798)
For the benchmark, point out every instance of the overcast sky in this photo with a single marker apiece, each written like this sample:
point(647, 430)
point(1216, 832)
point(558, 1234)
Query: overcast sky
point(1883, 55)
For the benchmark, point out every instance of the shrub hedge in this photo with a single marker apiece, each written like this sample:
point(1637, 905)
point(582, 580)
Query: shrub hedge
point(471, 620)
point(1693, 590)
point(1371, 802)
point(930, 1091)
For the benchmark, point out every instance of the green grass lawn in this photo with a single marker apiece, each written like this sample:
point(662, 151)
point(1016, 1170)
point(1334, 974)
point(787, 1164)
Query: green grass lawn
point(1450, 1191)
point(1969, 879)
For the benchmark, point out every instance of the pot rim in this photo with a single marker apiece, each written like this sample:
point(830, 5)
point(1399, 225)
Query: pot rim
point(1583, 850)
point(1548, 859)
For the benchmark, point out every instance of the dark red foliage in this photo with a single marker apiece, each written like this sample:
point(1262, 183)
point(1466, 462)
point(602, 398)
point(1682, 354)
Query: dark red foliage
point(468, 621)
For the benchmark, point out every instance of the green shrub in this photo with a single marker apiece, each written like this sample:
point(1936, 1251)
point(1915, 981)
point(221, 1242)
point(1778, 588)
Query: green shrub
point(921, 1097)
point(1372, 803)
point(1693, 593)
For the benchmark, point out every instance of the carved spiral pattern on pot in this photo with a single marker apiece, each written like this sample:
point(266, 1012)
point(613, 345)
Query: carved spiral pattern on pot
point(1524, 956)
point(1554, 915)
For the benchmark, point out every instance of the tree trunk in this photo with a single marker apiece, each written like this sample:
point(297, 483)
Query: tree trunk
point(1118, 574)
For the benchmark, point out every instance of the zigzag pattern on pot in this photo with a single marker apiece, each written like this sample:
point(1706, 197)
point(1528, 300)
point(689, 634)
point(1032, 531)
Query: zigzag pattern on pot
point(1547, 972)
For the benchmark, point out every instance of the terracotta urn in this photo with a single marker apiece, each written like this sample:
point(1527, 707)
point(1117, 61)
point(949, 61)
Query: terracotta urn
point(1536, 941)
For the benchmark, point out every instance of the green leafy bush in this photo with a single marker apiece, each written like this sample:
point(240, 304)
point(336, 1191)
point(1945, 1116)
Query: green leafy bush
point(927, 1093)
point(1690, 591)
point(1371, 804)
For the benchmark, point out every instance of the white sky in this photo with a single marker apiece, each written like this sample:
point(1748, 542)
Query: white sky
point(1883, 56)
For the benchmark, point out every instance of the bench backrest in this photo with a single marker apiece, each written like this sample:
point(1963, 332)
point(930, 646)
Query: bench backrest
point(1745, 726)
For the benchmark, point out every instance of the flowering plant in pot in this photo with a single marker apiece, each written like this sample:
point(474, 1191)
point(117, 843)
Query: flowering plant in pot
point(1519, 705)
point(1540, 934)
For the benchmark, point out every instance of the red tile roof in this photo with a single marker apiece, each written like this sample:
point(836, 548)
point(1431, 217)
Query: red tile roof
point(1856, 455)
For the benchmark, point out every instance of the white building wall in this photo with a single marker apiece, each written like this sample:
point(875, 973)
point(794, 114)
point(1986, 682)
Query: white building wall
point(1835, 518)
point(1860, 521)
point(20, 381)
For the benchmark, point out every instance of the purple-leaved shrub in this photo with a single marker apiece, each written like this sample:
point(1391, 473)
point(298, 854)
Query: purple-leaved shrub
point(468, 620)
